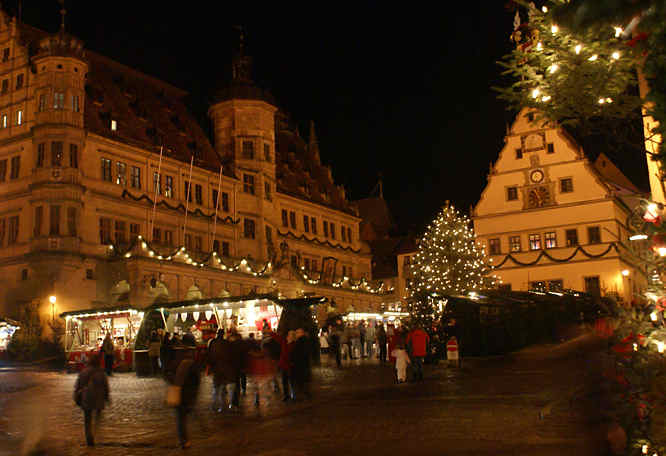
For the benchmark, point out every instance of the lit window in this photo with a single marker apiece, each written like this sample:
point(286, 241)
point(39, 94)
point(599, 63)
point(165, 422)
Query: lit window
point(514, 243)
point(19, 117)
point(75, 103)
point(59, 100)
point(535, 242)
point(56, 153)
point(106, 170)
point(168, 187)
point(572, 237)
point(550, 240)
point(4, 121)
point(121, 173)
point(494, 246)
point(136, 177)
point(114, 125)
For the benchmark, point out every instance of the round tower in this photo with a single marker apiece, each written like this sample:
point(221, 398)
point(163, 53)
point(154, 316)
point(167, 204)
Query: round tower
point(243, 117)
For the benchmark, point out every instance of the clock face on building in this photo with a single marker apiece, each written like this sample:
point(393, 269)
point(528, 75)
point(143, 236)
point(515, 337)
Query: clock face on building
point(536, 176)
point(539, 197)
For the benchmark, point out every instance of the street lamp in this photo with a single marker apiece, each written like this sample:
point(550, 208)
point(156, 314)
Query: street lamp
point(52, 300)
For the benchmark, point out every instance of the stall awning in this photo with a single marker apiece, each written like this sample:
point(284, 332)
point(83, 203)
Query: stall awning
point(230, 300)
point(99, 312)
point(9, 322)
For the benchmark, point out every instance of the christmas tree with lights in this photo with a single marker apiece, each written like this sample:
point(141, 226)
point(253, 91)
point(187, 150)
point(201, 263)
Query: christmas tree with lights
point(448, 262)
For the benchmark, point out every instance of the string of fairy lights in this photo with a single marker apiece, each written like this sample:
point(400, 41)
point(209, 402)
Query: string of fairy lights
point(560, 52)
point(142, 247)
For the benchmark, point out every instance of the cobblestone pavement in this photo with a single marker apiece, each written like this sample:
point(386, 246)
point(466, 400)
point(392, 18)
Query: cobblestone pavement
point(500, 406)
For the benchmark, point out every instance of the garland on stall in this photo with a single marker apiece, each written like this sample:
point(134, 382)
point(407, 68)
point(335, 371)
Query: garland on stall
point(316, 241)
point(180, 207)
point(544, 253)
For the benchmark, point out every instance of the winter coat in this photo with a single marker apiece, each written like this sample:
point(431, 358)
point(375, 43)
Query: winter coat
point(154, 349)
point(285, 352)
point(419, 340)
point(300, 359)
point(271, 347)
point(95, 386)
point(107, 346)
point(188, 378)
point(381, 335)
point(225, 361)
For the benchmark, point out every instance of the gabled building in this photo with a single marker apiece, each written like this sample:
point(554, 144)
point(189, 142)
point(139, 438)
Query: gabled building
point(111, 192)
point(552, 218)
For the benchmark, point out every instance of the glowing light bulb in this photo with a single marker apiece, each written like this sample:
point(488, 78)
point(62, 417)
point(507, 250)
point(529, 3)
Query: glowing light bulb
point(578, 48)
point(546, 98)
point(554, 28)
point(544, 9)
point(593, 58)
point(535, 93)
point(618, 31)
point(615, 55)
point(539, 46)
point(553, 68)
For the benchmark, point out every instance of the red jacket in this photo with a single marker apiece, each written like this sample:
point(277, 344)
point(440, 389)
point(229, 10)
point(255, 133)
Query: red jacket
point(285, 351)
point(419, 340)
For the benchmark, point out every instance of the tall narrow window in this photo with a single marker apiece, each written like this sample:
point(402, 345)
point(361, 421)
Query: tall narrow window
point(59, 100)
point(519, 153)
point(215, 196)
point(593, 235)
point(188, 241)
point(225, 248)
point(332, 227)
point(198, 244)
point(216, 246)
point(292, 219)
point(106, 170)
point(121, 173)
point(19, 117)
point(73, 156)
point(136, 177)
point(269, 235)
point(157, 235)
point(71, 221)
point(75, 103)
point(104, 230)
point(494, 246)
point(5, 86)
point(325, 228)
point(4, 121)
point(343, 234)
point(248, 228)
point(535, 242)
point(39, 220)
point(3, 170)
point(168, 238)
point(2, 232)
point(188, 191)
point(16, 167)
point(248, 183)
point(134, 231)
point(157, 183)
point(514, 243)
point(54, 226)
point(572, 237)
point(285, 218)
point(5, 55)
point(42, 103)
point(349, 234)
point(13, 230)
point(225, 201)
point(120, 232)
point(248, 150)
point(114, 125)
point(168, 186)
point(41, 152)
point(56, 153)
point(313, 225)
point(267, 153)
point(306, 263)
point(306, 223)
point(550, 240)
point(198, 194)
point(19, 81)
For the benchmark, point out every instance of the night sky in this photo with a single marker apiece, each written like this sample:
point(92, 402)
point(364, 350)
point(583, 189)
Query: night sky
point(402, 89)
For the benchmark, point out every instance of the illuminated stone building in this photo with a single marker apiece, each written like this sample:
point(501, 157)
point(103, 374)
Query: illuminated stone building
point(82, 173)
point(553, 218)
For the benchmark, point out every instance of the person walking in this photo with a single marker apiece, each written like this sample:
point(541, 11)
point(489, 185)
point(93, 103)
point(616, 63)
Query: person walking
point(91, 393)
point(381, 342)
point(361, 331)
point(419, 340)
point(187, 379)
point(107, 349)
point(300, 365)
point(271, 347)
point(356, 341)
point(370, 338)
point(334, 337)
point(154, 349)
point(401, 362)
point(286, 346)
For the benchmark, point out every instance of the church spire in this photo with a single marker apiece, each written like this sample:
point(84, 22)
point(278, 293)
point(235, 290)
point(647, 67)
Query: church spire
point(313, 143)
point(63, 12)
point(241, 66)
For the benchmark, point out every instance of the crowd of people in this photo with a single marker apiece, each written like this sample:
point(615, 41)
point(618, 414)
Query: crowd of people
point(276, 363)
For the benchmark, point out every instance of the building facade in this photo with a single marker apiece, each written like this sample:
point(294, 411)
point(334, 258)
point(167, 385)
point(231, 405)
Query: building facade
point(110, 190)
point(551, 218)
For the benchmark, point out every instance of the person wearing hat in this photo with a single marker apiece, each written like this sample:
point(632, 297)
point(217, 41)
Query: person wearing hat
point(187, 378)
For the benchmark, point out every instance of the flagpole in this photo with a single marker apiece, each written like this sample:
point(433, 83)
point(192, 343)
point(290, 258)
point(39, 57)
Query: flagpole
point(157, 183)
point(217, 204)
point(187, 199)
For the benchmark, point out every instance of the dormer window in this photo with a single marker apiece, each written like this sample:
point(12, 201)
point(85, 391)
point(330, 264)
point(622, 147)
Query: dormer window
point(59, 100)
point(114, 125)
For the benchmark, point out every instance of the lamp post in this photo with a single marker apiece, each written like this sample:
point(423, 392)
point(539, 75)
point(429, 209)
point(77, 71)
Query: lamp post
point(52, 300)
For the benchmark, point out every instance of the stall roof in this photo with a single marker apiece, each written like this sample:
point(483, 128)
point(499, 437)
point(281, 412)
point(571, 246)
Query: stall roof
point(9, 322)
point(98, 311)
point(254, 297)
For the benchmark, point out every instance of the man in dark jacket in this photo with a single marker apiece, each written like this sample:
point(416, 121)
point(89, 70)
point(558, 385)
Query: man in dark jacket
point(187, 378)
point(224, 361)
point(381, 342)
point(300, 364)
point(91, 393)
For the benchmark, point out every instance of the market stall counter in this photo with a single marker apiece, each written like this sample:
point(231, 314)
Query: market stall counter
point(85, 330)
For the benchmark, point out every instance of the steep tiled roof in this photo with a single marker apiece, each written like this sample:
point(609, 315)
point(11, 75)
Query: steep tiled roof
point(375, 212)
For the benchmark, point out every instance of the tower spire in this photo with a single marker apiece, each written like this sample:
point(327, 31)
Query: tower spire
point(63, 12)
point(241, 66)
point(313, 143)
